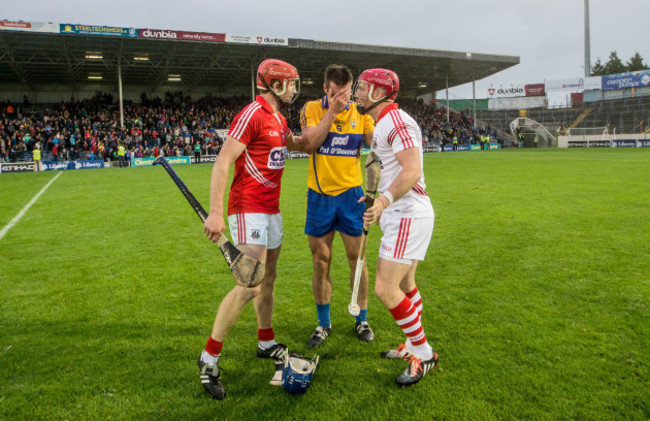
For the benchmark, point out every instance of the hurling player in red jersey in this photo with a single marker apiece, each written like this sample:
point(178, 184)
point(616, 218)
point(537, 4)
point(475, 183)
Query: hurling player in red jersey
point(256, 145)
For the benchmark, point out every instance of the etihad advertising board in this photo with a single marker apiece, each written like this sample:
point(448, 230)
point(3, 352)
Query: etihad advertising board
point(16, 167)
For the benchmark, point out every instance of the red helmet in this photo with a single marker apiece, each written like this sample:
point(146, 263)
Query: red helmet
point(273, 70)
point(381, 78)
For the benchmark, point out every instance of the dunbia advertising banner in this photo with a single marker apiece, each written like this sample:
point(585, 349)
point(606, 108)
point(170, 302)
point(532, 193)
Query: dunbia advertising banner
point(501, 91)
point(180, 35)
point(262, 40)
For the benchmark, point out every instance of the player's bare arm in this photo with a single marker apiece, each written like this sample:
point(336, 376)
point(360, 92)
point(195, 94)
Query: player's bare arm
point(295, 143)
point(314, 136)
point(409, 160)
point(214, 224)
point(367, 138)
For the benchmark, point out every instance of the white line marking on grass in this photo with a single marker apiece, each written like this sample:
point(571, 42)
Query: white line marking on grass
point(26, 208)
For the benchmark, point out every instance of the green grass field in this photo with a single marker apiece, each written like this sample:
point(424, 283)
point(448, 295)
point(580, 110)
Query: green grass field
point(536, 290)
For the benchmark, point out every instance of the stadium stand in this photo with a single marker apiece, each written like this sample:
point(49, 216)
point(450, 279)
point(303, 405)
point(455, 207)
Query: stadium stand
point(89, 129)
point(51, 61)
point(629, 115)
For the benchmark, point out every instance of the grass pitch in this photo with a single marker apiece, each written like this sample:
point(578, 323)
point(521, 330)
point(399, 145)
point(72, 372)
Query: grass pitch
point(536, 289)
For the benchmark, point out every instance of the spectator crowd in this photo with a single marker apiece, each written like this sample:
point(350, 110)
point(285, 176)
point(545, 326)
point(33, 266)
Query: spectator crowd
point(90, 128)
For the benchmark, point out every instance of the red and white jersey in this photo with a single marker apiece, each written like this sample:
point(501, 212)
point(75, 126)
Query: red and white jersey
point(396, 131)
point(258, 170)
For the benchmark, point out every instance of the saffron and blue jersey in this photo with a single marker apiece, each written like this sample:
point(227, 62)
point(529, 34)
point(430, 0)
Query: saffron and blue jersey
point(335, 167)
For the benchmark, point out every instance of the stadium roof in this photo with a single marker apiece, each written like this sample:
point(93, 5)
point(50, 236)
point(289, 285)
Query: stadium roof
point(35, 59)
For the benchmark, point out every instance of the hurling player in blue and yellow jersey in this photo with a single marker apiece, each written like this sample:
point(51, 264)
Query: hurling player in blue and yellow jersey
point(333, 132)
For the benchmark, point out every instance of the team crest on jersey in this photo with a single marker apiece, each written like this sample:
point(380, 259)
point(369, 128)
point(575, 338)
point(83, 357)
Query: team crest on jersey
point(255, 234)
point(353, 124)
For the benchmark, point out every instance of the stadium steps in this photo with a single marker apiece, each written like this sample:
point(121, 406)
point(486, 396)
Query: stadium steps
point(581, 117)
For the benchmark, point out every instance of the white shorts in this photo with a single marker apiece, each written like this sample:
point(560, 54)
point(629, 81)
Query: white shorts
point(404, 239)
point(256, 228)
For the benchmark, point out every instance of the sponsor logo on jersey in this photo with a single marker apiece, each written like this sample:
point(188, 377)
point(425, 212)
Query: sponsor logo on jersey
point(276, 158)
point(341, 145)
point(340, 140)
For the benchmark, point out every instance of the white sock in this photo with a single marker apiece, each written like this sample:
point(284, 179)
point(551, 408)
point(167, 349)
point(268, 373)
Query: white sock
point(267, 344)
point(209, 359)
point(422, 352)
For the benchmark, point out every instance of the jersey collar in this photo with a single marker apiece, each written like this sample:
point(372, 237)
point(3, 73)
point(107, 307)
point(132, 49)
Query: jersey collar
point(386, 110)
point(267, 107)
point(326, 104)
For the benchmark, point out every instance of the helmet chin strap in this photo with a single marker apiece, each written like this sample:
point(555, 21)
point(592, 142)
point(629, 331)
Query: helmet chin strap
point(363, 110)
point(281, 103)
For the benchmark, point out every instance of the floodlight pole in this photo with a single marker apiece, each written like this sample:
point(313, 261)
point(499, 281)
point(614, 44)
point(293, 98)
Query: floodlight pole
point(119, 88)
point(447, 89)
point(474, 98)
point(252, 81)
point(587, 42)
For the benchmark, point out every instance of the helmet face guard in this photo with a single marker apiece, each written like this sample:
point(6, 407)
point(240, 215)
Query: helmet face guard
point(370, 83)
point(271, 72)
point(297, 373)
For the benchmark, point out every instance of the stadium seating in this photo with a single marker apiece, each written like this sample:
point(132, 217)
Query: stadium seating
point(172, 124)
point(622, 116)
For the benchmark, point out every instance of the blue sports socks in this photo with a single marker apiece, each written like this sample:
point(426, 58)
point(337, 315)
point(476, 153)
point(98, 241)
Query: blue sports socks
point(323, 315)
point(363, 315)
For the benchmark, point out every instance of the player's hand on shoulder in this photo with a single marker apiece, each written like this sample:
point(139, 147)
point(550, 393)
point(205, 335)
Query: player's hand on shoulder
point(213, 227)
